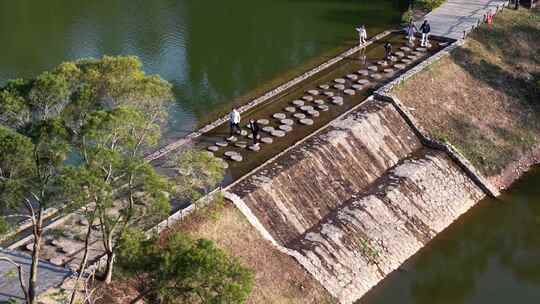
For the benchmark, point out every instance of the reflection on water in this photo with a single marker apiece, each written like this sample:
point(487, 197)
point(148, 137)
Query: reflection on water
point(491, 255)
point(212, 51)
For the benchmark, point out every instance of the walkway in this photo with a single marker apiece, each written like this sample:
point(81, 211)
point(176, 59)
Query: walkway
point(456, 16)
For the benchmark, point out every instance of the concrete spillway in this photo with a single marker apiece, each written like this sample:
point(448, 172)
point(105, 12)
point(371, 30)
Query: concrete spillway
point(356, 200)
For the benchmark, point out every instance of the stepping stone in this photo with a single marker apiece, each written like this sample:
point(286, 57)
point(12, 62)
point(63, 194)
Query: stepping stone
point(308, 98)
point(357, 87)
point(285, 128)
point(363, 82)
point(306, 108)
point(299, 115)
point(393, 58)
point(337, 100)
point(340, 87)
point(373, 68)
point(267, 140)
point(278, 133)
point(230, 153)
point(290, 109)
point(405, 49)
point(232, 139)
point(56, 243)
point(339, 80)
point(84, 222)
point(352, 77)
point(314, 113)
point(254, 148)
point(324, 87)
point(382, 63)
point(399, 66)
point(306, 121)
point(421, 49)
point(242, 133)
point(29, 246)
point(412, 57)
point(279, 116)
point(363, 72)
point(313, 92)
point(298, 102)
point(441, 44)
point(288, 122)
point(57, 260)
point(236, 158)
point(400, 54)
point(268, 129)
point(319, 102)
point(212, 148)
point(350, 92)
point(406, 61)
point(323, 108)
point(222, 144)
point(329, 94)
point(241, 144)
point(388, 71)
point(211, 154)
point(376, 76)
point(417, 53)
point(69, 248)
point(263, 122)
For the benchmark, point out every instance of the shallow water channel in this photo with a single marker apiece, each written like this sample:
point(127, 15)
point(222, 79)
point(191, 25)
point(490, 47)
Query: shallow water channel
point(491, 255)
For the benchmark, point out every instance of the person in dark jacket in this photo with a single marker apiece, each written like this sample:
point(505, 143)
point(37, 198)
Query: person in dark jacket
point(425, 29)
point(387, 50)
point(254, 127)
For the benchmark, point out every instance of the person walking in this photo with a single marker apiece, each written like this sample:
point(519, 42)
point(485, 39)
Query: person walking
point(234, 122)
point(362, 34)
point(387, 50)
point(411, 31)
point(425, 29)
point(254, 127)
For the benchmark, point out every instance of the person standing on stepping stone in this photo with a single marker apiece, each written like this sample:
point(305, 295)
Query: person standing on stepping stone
point(234, 122)
point(362, 34)
point(387, 50)
point(411, 30)
point(254, 127)
point(425, 29)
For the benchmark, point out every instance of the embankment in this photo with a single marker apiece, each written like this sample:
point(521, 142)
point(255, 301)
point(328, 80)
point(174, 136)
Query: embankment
point(355, 201)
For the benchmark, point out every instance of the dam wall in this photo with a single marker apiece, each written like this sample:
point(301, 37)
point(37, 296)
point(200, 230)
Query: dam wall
point(358, 199)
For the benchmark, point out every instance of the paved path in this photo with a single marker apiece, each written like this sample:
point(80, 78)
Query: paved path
point(456, 16)
point(48, 275)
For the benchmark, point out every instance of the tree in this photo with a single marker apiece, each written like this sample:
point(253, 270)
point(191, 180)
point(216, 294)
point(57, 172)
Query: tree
point(183, 270)
point(29, 169)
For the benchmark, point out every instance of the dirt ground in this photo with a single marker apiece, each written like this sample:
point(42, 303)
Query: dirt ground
point(485, 97)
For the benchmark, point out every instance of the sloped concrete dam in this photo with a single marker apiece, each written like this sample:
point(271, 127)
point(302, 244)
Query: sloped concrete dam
point(355, 201)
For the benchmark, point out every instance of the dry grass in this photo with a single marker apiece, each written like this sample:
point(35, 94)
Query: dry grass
point(279, 278)
point(484, 98)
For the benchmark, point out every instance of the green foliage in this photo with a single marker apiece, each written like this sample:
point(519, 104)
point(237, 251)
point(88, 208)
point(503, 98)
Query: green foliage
point(4, 226)
point(406, 16)
point(197, 173)
point(183, 270)
point(429, 4)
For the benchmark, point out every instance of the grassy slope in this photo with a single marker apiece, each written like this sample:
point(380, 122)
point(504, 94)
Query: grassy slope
point(484, 98)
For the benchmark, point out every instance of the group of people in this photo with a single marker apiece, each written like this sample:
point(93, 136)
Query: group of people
point(411, 29)
point(234, 126)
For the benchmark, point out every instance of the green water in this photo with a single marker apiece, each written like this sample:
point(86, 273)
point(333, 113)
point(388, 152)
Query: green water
point(489, 256)
point(212, 51)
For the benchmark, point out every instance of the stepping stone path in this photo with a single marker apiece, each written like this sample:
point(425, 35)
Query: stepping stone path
point(339, 80)
point(263, 122)
point(388, 71)
point(405, 49)
point(416, 53)
point(230, 153)
point(285, 128)
point(399, 66)
point(363, 82)
point(363, 72)
point(337, 100)
point(339, 87)
point(352, 77)
point(400, 54)
point(222, 144)
point(323, 108)
point(306, 121)
point(278, 133)
point(406, 61)
point(357, 87)
point(411, 57)
point(242, 132)
point(313, 92)
point(382, 63)
point(350, 92)
point(313, 113)
point(266, 140)
point(288, 122)
point(308, 98)
point(213, 148)
point(393, 58)
point(373, 68)
point(58, 260)
point(279, 116)
point(241, 144)
point(298, 102)
point(290, 109)
point(376, 76)
point(329, 94)
point(299, 115)
point(324, 87)
point(306, 108)
point(319, 102)
point(254, 148)
point(236, 158)
point(232, 139)
point(268, 129)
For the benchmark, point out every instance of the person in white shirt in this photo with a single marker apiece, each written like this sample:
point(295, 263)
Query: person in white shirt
point(362, 34)
point(234, 122)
